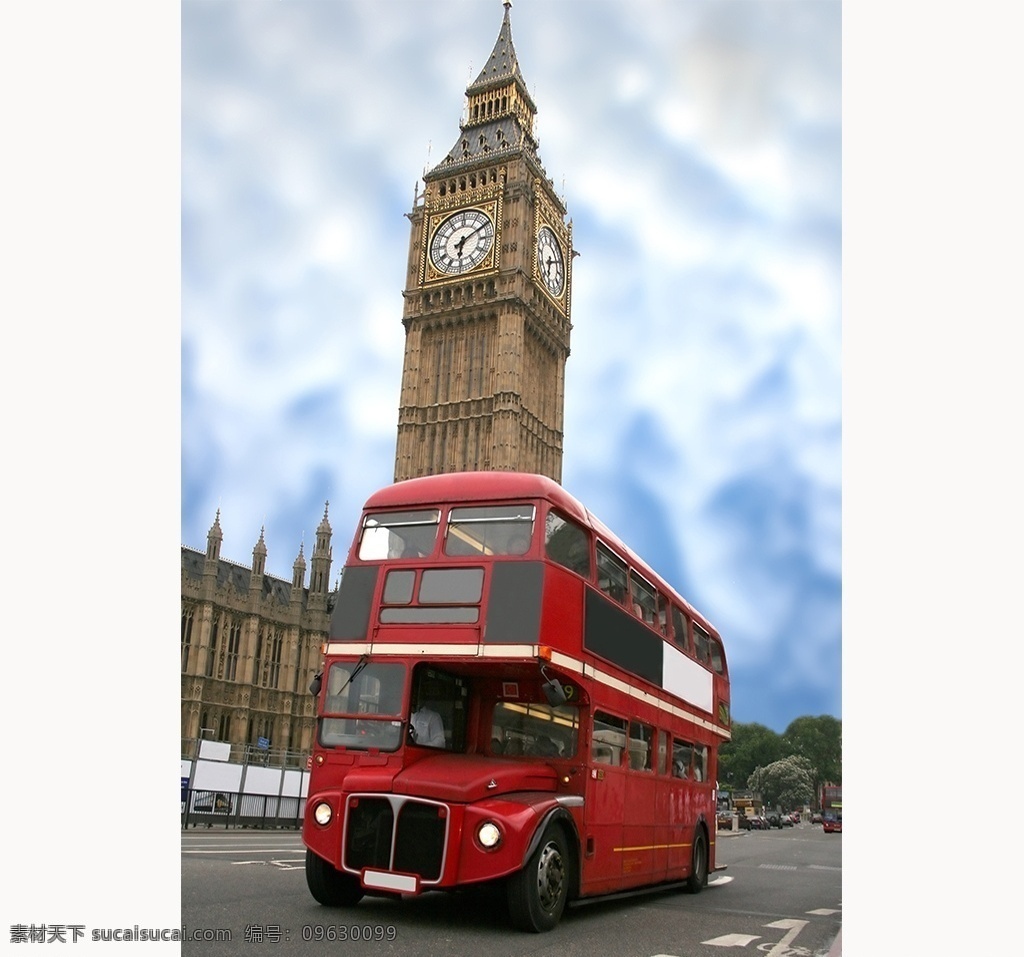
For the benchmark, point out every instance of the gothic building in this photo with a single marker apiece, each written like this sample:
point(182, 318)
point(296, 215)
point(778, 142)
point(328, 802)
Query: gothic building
point(250, 644)
point(486, 314)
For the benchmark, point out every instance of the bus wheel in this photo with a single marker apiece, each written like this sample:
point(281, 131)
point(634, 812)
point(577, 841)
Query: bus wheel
point(537, 893)
point(699, 864)
point(328, 885)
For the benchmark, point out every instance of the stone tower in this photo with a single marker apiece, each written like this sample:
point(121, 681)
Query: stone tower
point(487, 295)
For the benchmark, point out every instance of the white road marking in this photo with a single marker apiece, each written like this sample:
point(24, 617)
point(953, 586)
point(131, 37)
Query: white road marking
point(732, 940)
point(824, 912)
point(238, 850)
point(719, 881)
point(795, 926)
point(283, 864)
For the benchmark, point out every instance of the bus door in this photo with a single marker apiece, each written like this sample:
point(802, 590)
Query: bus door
point(645, 834)
point(605, 803)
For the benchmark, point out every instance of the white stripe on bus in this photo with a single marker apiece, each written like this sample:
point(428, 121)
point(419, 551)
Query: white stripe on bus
point(558, 658)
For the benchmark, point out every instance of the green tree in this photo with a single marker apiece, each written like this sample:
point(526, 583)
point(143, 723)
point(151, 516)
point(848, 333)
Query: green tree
point(820, 741)
point(787, 782)
point(752, 746)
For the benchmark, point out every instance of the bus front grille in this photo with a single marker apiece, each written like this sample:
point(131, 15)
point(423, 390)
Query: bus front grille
point(395, 833)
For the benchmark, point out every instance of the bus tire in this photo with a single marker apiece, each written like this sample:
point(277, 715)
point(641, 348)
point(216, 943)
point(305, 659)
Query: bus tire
point(698, 863)
point(328, 885)
point(537, 893)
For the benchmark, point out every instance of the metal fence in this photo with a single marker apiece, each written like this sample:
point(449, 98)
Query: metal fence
point(241, 786)
point(201, 808)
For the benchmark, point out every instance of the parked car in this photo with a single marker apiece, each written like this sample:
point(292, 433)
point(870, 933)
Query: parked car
point(775, 820)
point(725, 822)
point(787, 820)
point(816, 817)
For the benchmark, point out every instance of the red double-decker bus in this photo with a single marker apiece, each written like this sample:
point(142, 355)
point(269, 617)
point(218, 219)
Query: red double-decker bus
point(831, 802)
point(509, 694)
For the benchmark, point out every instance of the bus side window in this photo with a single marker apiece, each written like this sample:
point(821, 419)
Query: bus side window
point(608, 741)
point(641, 750)
point(717, 658)
point(611, 575)
point(682, 758)
point(566, 543)
point(701, 641)
point(643, 597)
point(700, 761)
point(680, 632)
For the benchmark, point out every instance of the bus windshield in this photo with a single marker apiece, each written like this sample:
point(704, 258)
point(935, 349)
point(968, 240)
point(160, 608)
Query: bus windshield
point(363, 705)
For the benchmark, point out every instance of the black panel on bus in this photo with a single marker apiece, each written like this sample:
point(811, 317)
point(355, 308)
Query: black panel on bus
point(351, 616)
point(617, 636)
point(513, 610)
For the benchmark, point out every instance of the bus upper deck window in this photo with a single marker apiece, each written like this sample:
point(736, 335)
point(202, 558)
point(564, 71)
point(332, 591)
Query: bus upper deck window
point(643, 597)
point(701, 643)
point(399, 534)
point(566, 543)
point(680, 632)
point(611, 574)
point(490, 530)
point(717, 658)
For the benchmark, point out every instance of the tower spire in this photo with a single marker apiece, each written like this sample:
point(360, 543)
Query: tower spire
point(499, 111)
point(214, 537)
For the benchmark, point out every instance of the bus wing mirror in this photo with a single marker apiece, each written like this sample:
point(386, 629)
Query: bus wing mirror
point(314, 685)
point(554, 692)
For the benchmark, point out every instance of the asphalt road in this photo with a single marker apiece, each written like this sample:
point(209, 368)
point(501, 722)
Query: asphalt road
point(780, 895)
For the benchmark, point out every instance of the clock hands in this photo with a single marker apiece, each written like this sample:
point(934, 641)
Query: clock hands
point(462, 242)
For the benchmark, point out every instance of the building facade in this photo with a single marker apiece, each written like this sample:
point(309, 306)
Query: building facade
point(487, 297)
point(250, 643)
point(486, 314)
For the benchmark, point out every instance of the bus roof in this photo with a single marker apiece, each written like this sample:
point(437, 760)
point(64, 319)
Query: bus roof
point(477, 487)
point(500, 486)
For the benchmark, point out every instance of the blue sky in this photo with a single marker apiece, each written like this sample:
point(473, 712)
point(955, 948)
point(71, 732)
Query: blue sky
point(698, 149)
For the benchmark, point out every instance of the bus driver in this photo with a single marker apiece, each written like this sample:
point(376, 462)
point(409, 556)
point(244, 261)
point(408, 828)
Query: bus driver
point(427, 727)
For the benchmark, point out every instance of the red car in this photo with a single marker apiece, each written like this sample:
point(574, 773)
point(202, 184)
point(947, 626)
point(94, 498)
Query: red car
point(832, 823)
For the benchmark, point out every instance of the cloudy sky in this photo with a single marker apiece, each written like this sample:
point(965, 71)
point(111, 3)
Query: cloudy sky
point(697, 146)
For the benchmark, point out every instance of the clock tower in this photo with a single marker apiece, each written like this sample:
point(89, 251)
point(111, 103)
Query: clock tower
point(487, 294)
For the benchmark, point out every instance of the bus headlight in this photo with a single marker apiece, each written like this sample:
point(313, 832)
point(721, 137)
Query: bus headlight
point(322, 813)
point(489, 835)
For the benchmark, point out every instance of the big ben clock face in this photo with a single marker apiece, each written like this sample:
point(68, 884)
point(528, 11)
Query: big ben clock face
point(462, 241)
point(550, 262)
